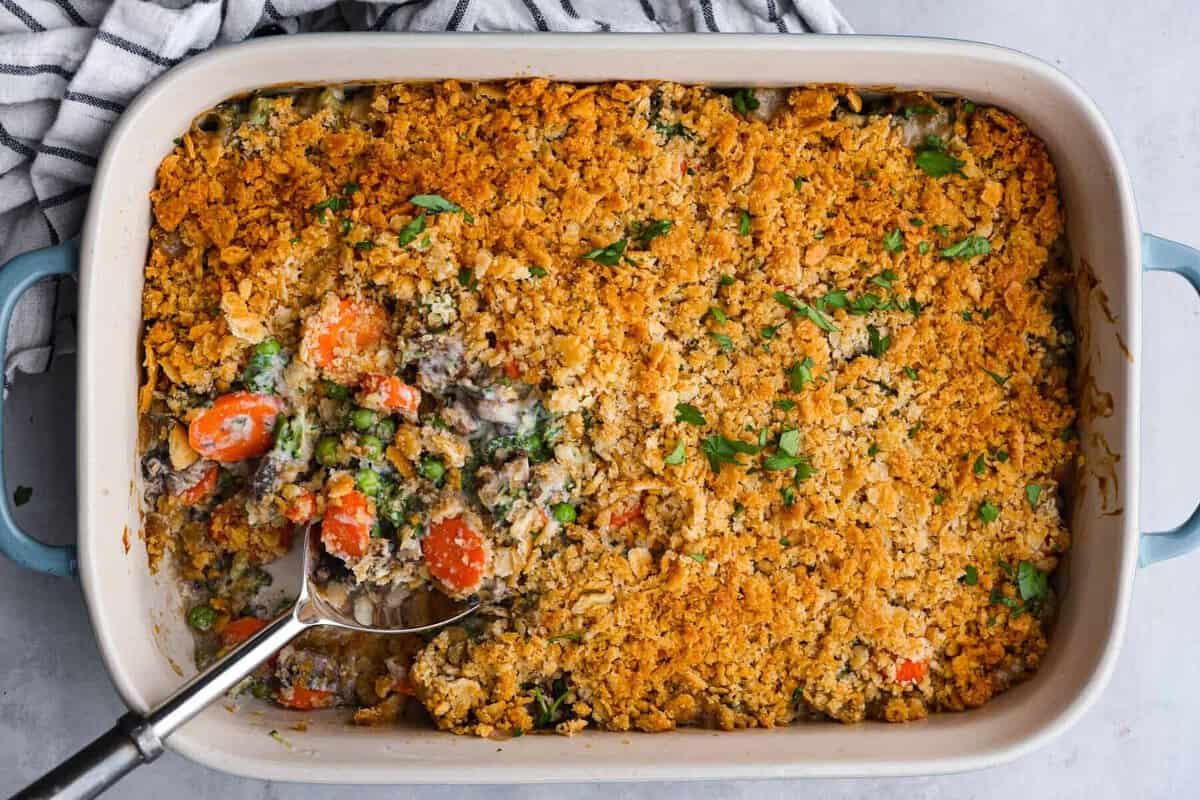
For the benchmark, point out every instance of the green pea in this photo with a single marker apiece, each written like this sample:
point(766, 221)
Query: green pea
point(267, 347)
point(371, 446)
point(334, 391)
point(202, 617)
point(362, 418)
point(367, 481)
point(327, 451)
point(432, 468)
point(385, 429)
point(563, 512)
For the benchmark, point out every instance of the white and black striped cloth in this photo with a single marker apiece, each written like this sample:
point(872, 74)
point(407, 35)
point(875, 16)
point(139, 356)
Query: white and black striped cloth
point(68, 68)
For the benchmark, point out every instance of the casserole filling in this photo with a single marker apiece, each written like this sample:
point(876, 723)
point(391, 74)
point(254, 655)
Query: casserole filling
point(734, 408)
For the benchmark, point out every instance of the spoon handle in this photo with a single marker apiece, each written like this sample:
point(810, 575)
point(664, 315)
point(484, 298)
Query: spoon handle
point(137, 740)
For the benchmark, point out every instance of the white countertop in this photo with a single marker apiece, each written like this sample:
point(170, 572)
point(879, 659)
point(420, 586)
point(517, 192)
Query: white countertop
point(1141, 64)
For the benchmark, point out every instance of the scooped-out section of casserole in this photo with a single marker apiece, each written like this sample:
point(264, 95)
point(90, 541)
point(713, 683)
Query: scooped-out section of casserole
point(735, 408)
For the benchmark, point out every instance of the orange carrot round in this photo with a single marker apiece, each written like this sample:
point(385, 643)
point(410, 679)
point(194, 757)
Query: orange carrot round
point(630, 512)
point(302, 698)
point(346, 527)
point(910, 671)
point(239, 630)
point(201, 489)
point(388, 394)
point(352, 327)
point(512, 369)
point(455, 554)
point(235, 427)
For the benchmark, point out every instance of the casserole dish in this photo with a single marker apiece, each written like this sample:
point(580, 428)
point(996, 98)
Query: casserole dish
point(138, 618)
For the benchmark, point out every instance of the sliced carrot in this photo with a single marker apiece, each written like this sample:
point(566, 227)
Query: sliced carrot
point(911, 671)
point(302, 508)
point(455, 554)
point(302, 698)
point(239, 630)
point(346, 527)
point(512, 369)
point(201, 489)
point(338, 333)
point(388, 394)
point(630, 512)
point(235, 427)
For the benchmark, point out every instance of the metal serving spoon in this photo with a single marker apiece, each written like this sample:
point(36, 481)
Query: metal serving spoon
point(137, 740)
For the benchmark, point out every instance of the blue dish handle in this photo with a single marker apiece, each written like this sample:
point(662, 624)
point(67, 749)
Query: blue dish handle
point(1163, 255)
point(15, 277)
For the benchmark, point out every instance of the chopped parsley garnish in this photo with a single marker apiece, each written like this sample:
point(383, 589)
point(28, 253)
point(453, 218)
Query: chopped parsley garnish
point(347, 224)
point(537, 272)
point(789, 499)
point(674, 129)
point(780, 461)
point(912, 111)
point(786, 405)
point(743, 223)
point(923, 247)
point(676, 456)
point(434, 203)
point(988, 512)
point(941, 230)
point(970, 576)
point(697, 557)
point(866, 304)
point(719, 450)
point(466, 278)
point(893, 241)
point(686, 412)
point(878, 345)
point(365, 244)
point(799, 181)
point(915, 429)
point(727, 280)
point(800, 374)
point(804, 471)
point(968, 247)
point(789, 442)
point(610, 255)
point(412, 230)
point(804, 310)
point(744, 101)
point(22, 495)
point(644, 232)
point(567, 637)
point(349, 187)
point(835, 299)
point(884, 279)
point(548, 710)
point(334, 203)
point(1032, 583)
point(916, 222)
point(997, 377)
point(939, 498)
point(933, 159)
point(966, 315)
point(980, 464)
point(910, 373)
point(723, 341)
point(718, 315)
point(819, 235)
point(769, 331)
point(1033, 493)
point(873, 450)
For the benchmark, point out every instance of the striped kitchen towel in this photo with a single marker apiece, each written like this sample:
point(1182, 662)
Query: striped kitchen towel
point(68, 68)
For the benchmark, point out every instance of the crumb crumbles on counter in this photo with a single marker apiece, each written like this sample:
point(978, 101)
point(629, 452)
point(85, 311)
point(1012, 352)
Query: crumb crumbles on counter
point(735, 408)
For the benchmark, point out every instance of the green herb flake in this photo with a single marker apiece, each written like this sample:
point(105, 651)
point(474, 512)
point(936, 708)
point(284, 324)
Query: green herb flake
point(466, 278)
point(804, 471)
point(537, 272)
point(412, 230)
point(718, 315)
point(980, 464)
point(789, 442)
point(720, 450)
point(873, 450)
point(835, 299)
point(727, 280)
point(970, 576)
point(916, 222)
point(939, 498)
point(893, 241)
point(910, 373)
point(676, 456)
point(686, 412)
point(645, 232)
point(800, 374)
point(884, 279)
point(567, 637)
point(878, 345)
point(610, 255)
point(744, 223)
point(697, 557)
point(744, 101)
point(923, 247)
point(769, 331)
point(968, 248)
point(365, 244)
point(799, 181)
point(778, 461)
point(674, 129)
point(22, 495)
point(723, 341)
point(1032, 583)
point(789, 499)
point(915, 429)
point(938, 163)
point(988, 512)
point(1033, 493)
point(434, 203)
point(913, 111)
point(785, 405)
point(997, 377)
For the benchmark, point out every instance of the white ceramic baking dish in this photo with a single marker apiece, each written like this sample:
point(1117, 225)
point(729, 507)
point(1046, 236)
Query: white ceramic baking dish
point(138, 619)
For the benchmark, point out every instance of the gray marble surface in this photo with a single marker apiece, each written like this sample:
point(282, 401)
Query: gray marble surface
point(1140, 63)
